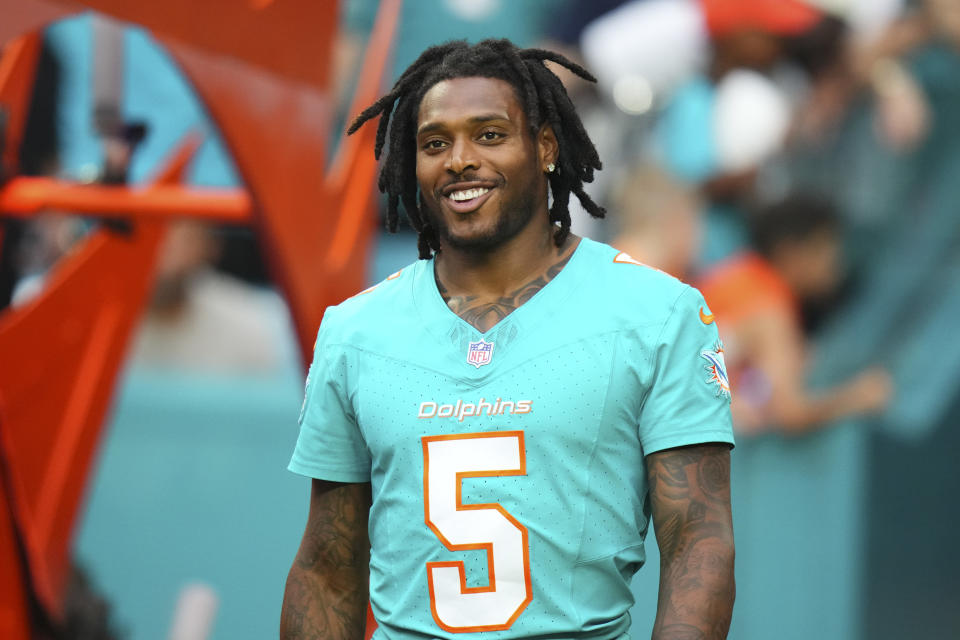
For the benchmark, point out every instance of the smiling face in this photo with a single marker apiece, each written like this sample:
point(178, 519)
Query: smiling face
point(481, 173)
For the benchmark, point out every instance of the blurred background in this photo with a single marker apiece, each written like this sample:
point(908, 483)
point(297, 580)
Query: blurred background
point(796, 160)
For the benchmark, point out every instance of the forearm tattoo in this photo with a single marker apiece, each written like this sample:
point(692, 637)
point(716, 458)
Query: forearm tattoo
point(326, 592)
point(690, 499)
point(485, 314)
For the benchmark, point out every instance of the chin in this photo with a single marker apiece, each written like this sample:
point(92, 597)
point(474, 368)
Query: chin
point(482, 230)
point(473, 234)
point(471, 242)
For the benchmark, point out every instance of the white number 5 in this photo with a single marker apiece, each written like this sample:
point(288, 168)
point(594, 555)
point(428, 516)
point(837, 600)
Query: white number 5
point(447, 460)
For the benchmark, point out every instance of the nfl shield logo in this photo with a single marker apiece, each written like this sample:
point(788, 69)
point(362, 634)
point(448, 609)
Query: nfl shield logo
point(479, 353)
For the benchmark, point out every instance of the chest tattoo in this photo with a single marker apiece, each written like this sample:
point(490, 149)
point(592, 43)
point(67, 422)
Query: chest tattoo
point(484, 313)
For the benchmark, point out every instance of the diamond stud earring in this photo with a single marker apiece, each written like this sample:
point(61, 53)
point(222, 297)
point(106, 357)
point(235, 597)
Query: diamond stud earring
point(551, 167)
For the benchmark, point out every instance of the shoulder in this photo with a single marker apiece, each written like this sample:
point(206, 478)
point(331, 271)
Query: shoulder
point(632, 291)
point(375, 310)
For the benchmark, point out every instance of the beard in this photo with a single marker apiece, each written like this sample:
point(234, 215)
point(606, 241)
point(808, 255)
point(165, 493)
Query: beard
point(512, 217)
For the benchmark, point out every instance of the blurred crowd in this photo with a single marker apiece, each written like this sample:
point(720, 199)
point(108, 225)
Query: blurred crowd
point(700, 107)
point(719, 123)
point(726, 128)
point(708, 114)
point(713, 119)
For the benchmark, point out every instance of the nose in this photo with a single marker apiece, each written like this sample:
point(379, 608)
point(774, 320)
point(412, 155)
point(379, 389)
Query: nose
point(462, 156)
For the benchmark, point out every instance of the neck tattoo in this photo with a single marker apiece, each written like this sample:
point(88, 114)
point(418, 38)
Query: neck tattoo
point(484, 314)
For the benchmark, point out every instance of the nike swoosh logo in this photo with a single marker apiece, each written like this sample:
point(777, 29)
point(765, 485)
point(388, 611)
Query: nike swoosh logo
point(704, 318)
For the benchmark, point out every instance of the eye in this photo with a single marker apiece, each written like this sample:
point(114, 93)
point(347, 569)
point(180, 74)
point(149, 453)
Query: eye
point(491, 136)
point(433, 144)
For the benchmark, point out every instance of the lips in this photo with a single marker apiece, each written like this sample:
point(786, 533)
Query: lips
point(465, 197)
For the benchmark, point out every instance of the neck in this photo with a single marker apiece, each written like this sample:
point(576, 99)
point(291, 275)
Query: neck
point(498, 271)
point(484, 289)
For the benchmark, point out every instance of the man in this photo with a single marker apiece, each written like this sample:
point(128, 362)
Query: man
point(503, 415)
point(757, 296)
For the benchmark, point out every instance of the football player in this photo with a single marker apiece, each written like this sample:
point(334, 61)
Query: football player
point(490, 429)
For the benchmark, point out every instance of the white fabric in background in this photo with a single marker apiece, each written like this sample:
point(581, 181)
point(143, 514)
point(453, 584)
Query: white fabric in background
point(663, 41)
point(751, 117)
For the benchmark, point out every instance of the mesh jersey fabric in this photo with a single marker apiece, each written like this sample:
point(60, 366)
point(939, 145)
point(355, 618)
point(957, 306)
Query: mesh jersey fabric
point(530, 466)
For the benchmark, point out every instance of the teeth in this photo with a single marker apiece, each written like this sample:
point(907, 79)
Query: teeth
point(468, 194)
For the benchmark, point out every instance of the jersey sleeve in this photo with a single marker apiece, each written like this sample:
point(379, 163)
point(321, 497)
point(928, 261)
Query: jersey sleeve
point(688, 401)
point(331, 445)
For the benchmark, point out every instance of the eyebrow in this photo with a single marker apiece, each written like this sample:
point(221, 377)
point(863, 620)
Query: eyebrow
point(485, 117)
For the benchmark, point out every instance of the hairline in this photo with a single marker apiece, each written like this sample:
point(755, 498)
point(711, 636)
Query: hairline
point(517, 93)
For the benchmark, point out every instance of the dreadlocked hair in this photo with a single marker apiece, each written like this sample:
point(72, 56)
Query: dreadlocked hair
point(544, 101)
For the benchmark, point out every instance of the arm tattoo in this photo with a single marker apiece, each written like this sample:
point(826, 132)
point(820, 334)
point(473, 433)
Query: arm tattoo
point(690, 498)
point(326, 593)
point(484, 315)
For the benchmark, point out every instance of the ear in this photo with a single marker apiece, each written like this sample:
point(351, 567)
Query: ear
point(548, 149)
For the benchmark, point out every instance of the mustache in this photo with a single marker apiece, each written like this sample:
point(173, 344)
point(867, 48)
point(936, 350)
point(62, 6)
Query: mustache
point(469, 176)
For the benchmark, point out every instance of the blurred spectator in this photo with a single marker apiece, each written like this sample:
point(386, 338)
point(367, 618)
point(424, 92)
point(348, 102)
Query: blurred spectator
point(756, 298)
point(879, 59)
point(42, 242)
point(38, 156)
point(88, 614)
point(903, 114)
point(201, 319)
point(656, 219)
point(865, 64)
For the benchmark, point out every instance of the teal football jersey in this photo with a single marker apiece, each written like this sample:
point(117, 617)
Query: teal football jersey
point(507, 467)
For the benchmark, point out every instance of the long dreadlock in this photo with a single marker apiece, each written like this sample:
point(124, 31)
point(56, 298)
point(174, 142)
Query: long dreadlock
point(544, 100)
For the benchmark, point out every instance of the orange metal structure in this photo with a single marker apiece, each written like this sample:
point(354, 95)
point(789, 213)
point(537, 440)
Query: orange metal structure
point(261, 67)
point(26, 196)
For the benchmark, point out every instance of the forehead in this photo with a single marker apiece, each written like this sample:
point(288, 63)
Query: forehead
point(464, 98)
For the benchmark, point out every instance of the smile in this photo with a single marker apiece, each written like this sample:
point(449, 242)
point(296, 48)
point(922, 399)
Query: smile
point(467, 200)
point(467, 194)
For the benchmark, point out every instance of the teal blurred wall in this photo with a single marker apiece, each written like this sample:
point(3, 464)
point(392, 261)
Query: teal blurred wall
point(192, 486)
point(798, 524)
